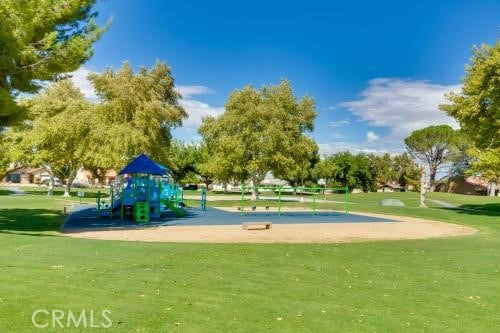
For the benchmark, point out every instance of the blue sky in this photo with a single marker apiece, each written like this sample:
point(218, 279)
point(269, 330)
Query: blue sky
point(377, 69)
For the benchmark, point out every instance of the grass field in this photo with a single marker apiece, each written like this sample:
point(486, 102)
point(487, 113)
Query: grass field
point(435, 285)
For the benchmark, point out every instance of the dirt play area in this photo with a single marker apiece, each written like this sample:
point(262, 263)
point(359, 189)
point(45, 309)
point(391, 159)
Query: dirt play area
point(327, 227)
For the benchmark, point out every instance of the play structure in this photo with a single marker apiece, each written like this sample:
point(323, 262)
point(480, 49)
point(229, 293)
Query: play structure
point(281, 194)
point(142, 192)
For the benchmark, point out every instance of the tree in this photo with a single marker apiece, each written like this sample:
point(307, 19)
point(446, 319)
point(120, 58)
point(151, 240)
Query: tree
point(39, 41)
point(305, 158)
point(136, 114)
point(258, 132)
point(354, 171)
point(184, 160)
point(406, 171)
point(487, 163)
point(56, 134)
point(326, 169)
point(383, 169)
point(477, 109)
point(434, 146)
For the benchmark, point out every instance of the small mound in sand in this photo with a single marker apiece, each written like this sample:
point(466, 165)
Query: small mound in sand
point(404, 228)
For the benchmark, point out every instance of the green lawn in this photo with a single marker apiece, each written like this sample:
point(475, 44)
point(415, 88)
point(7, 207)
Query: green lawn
point(4, 192)
point(435, 285)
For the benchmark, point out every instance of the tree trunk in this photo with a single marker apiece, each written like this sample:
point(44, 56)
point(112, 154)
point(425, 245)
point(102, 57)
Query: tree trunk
point(422, 187)
point(50, 189)
point(255, 191)
point(432, 178)
point(67, 189)
point(71, 177)
point(493, 188)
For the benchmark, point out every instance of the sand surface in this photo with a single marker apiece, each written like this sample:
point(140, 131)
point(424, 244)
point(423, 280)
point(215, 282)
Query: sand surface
point(405, 228)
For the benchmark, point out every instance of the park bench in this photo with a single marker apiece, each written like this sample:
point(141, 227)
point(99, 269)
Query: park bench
point(245, 225)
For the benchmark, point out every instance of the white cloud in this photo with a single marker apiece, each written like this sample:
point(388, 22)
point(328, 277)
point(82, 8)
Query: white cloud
point(359, 147)
point(194, 108)
point(372, 137)
point(188, 91)
point(402, 105)
point(197, 110)
point(329, 108)
point(337, 135)
point(339, 123)
point(79, 78)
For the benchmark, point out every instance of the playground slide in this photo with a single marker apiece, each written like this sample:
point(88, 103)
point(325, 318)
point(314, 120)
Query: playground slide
point(177, 211)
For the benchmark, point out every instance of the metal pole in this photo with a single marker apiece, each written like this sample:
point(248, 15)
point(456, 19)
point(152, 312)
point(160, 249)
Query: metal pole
point(122, 204)
point(279, 201)
point(242, 198)
point(346, 200)
point(314, 201)
point(98, 204)
point(112, 200)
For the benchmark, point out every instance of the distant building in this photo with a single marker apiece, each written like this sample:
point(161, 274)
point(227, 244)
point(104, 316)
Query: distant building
point(391, 186)
point(26, 175)
point(463, 185)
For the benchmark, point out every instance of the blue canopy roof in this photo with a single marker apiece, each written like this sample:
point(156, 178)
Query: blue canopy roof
point(143, 164)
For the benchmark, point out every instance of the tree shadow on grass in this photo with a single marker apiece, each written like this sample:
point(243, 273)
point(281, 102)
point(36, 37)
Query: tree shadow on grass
point(31, 222)
point(5, 192)
point(489, 209)
point(74, 193)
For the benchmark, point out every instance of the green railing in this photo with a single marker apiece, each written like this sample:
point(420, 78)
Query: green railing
point(314, 191)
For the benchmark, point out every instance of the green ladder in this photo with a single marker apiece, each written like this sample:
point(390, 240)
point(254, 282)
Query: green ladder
point(141, 212)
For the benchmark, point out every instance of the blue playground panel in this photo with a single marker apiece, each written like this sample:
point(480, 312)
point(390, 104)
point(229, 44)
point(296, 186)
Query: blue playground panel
point(85, 217)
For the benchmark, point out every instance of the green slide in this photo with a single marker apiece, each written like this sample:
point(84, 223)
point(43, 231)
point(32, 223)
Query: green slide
point(177, 211)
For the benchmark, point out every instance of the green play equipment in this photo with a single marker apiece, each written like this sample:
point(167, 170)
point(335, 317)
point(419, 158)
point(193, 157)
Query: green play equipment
point(281, 191)
point(143, 191)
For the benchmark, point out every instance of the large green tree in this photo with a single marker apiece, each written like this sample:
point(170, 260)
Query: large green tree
point(383, 169)
point(185, 159)
point(136, 113)
point(56, 134)
point(327, 169)
point(259, 132)
point(305, 158)
point(39, 40)
point(434, 146)
point(346, 169)
point(406, 171)
point(477, 109)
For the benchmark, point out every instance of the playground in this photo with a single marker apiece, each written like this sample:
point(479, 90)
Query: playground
point(172, 281)
point(220, 226)
point(146, 205)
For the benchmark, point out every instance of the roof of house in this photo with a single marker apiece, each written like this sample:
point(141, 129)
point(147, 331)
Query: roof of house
point(392, 184)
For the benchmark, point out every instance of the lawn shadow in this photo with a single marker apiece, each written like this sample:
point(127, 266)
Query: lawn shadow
point(74, 193)
point(30, 221)
point(489, 209)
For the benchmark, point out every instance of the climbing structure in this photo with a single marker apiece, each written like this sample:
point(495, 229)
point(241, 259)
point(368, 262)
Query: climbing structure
point(143, 191)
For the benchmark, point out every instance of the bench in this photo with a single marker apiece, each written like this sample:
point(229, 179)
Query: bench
point(245, 225)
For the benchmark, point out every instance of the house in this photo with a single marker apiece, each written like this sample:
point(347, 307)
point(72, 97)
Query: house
point(26, 176)
point(86, 178)
point(23, 175)
point(391, 186)
point(463, 185)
